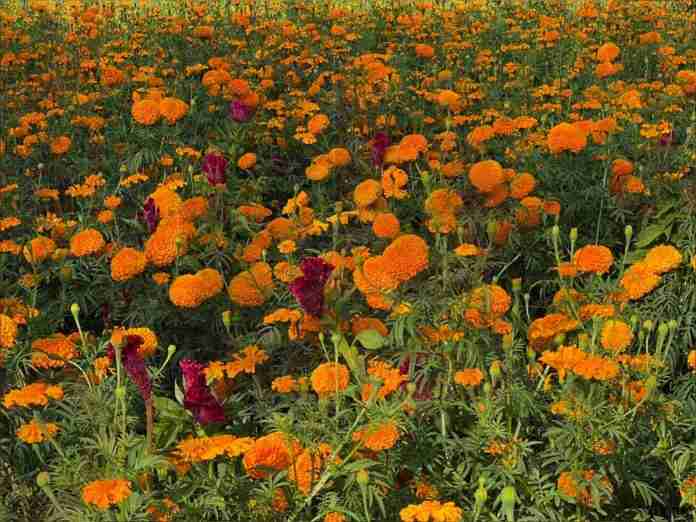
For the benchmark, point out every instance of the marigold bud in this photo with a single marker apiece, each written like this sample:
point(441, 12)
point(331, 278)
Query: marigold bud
point(120, 392)
point(362, 477)
point(574, 234)
point(628, 232)
point(170, 350)
point(43, 479)
point(75, 310)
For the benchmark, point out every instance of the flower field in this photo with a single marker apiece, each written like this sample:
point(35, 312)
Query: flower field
point(348, 261)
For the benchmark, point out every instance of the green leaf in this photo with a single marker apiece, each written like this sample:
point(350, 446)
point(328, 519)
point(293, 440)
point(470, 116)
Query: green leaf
point(650, 234)
point(370, 339)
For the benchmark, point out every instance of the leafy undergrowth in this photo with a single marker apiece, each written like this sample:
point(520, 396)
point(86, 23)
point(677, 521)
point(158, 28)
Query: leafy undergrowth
point(362, 262)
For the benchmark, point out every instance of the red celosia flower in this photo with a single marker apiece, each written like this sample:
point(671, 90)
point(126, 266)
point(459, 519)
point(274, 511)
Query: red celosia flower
point(308, 289)
point(379, 147)
point(150, 215)
point(197, 396)
point(134, 364)
point(240, 112)
point(214, 167)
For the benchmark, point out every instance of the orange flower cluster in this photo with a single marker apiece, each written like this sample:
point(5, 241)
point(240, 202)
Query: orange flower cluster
point(270, 452)
point(543, 330)
point(379, 436)
point(106, 493)
point(192, 290)
point(35, 394)
point(53, 351)
point(87, 242)
point(34, 432)
point(571, 358)
point(127, 264)
point(486, 306)
point(596, 259)
point(8, 331)
point(431, 511)
point(329, 378)
point(576, 485)
point(307, 468)
point(252, 287)
point(154, 106)
point(242, 363)
point(202, 449)
point(389, 378)
point(642, 277)
point(469, 377)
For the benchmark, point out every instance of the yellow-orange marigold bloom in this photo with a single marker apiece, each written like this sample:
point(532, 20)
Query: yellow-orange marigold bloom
point(431, 511)
point(39, 249)
point(8, 331)
point(247, 161)
point(127, 264)
point(608, 52)
point(106, 493)
point(271, 452)
point(329, 378)
point(168, 202)
point(185, 291)
point(486, 175)
point(87, 242)
point(150, 341)
point(443, 201)
point(469, 377)
point(597, 367)
point(566, 136)
point(165, 245)
point(173, 109)
point(284, 384)
point(33, 433)
point(367, 192)
point(394, 180)
point(318, 123)
point(386, 225)
point(210, 281)
point(639, 280)
point(691, 359)
point(491, 300)
point(522, 185)
point(616, 335)
point(407, 255)
point(250, 288)
point(334, 516)
point(60, 145)
point(378, 437)
point(662, 258)
point(339, 157)
point(593, 258)
point(424, 51)
point(34, 394)
point(146, 111)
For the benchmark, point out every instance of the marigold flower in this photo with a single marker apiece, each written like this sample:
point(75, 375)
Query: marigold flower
point(339, 157)
point(35, 394)
point(185, 291)
point(566, 136)
point(172, 109)
point(146, 111)
point(593, 258)
point(318, 123)
point(468, 250)
point(250, 287)
point(39, 249)
point(386, 225)
point(127, 264)
point(367, 192)
point(148, 337)
point(378, 437)
point(285, 384)
point(329, 378)
point(33, 432)
point(106, 493)
point(407, 255)
point(60, 145)
point(486, 175)
point(616, 335)
point(662, 258)
point(424, 51)
point(87, 242)
point(522, 185)
point(469, 377)
point(8, 331)
point(334, 516)
point(608, 52)
point(638, 280)
point(271, 452)
point(431, 511)
point(393, 181)
point(247, 161)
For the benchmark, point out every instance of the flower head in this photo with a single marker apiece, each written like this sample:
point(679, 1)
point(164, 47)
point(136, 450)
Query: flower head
point(134, 364)
point(240, 112)
point(197, 396)
point(309, 288)
point(214, 167)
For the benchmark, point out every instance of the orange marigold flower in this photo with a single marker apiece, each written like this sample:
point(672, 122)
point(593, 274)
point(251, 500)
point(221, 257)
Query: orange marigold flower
point(329, 378)
point(33, 432)
point(522, 185)
point(394, 180)
point(163, 247)
point(339, 157)
point(662, 258)
point(146, 111)
point(378, 437)
point(589, 311)
point(616, 335)
point(8, 331)
point(127, 264)
point(691, 359)
point(367, 192)
point(185, 291)
point(566, 136)
point(161, 278)
point(39, 249)
point(407, 255)
point(106, 493)
point(87, 242)
point(35, 394)
point(318, 123)
point(250, 288)
point(360, 324)
point(639, 280)
point(334, 516)
point(424, 51)
point(468, 250)
point(60, 145)
point(150, 341)
point(608, 52)
point(486, 175)
point(247, 161)
point(597, 367)
point(271, 452)
point(285, 384)
point(431, 511)
point(386, 225)
point(172, 109)
point(469, 377)
point(593, 258)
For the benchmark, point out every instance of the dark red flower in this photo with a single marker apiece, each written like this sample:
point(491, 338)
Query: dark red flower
point(214, 167)
point(150, 215)
point(197, 396)
point(134, 364)
point(379, 147)
point(240, 112)
point(308, 289)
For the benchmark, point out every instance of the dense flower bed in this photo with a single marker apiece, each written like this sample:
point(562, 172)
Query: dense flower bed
point(416, 261)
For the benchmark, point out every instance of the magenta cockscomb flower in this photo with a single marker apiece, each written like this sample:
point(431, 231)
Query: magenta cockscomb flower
point(240, 112)
point(197, 396)
point(379, 148)
point(134, 364)
point(214, 167)
point(308, 289)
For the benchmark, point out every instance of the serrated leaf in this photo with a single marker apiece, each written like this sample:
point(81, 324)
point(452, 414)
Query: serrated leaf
point(370, 339)
point(650, 234)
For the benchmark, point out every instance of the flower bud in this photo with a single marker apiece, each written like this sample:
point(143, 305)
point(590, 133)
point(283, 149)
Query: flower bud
point(634, 321)
point(411, 388)
point(362, 477)
point(43, 479)
point(555, 232)
point(66, 274)
point(559, 339)
point(517, 284)
point(648, 325)
point(508, 499)
point(227, 319)
point(672, 324)
point(487, 388)
point(496, 369)
point(481, 495)
point(120, 392)
point(491, 229)
point(170, 350)
point(628, 232)
point(574, 234)
point(75, 310)
point(507, 342)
